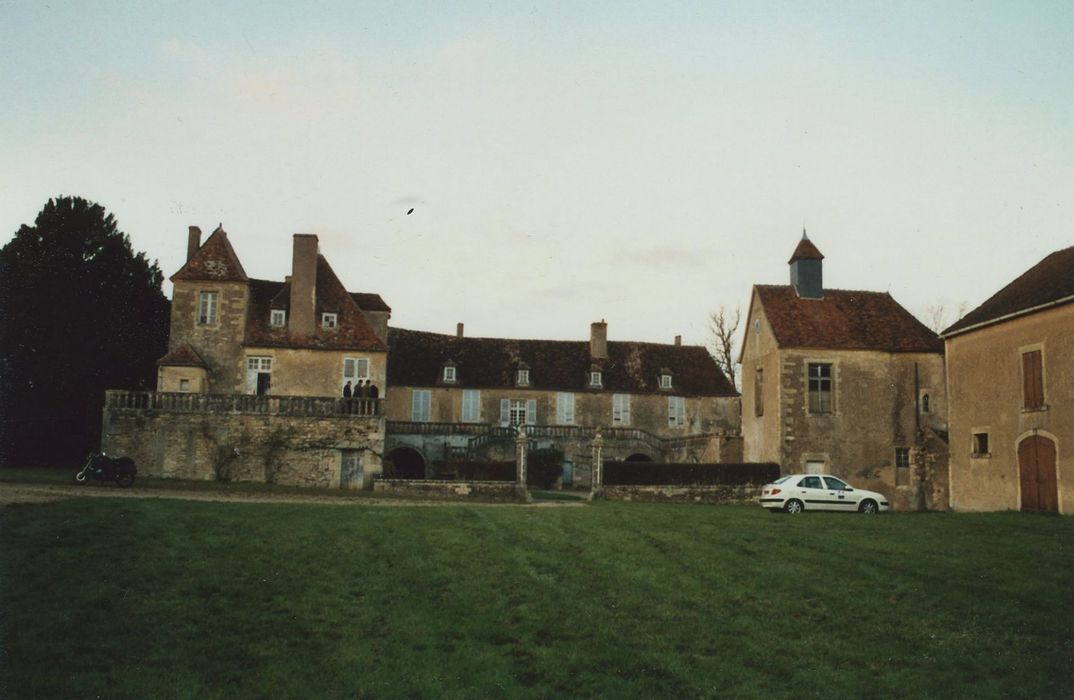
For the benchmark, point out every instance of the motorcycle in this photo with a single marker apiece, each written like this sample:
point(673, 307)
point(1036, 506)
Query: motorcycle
point(104, 468)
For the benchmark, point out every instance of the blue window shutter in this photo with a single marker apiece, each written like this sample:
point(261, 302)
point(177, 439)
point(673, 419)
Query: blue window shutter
point(531, 412)
point(505, 412)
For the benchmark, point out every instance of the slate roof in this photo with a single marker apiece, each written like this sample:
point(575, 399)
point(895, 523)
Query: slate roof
point(417, 358)
point(353, 331)
point(182, 356)
point(1050, 281)
point(844, 320)
point(214, 260)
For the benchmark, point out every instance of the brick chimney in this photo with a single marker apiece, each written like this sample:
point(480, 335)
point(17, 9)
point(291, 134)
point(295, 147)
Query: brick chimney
point(193, 241)
point(303, 285)
point(678, 340)
point(458, 330)
point(598, 340)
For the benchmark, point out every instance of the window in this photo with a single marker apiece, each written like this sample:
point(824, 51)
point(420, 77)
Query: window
point(449, 374)
point(980, 445)
point(595, 380)
point(676, 411)
point(522, 377)
point(834, 484)
point(471, 406)
point(621, 409)
point(1032, 380)
point(329, 320)
point(258, 375)
point(278, 318)
point(926, 403)
point(419, 405)
point(184, 385)
point(758, 392)
point(820, 387)
point(902, 457)
point(354, 368)
point(811, 482)
point(665, 381)
point(207, 303)
point(564, 408)
point(518, 412)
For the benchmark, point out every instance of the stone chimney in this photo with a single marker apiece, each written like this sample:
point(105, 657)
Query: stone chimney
point(806, 273)
point(193, 241)
point(458, 330)
point(678, 340)
point(300, 318)
point(598, 340)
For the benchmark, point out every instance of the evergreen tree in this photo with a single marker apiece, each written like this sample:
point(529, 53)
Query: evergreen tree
point(80, 312)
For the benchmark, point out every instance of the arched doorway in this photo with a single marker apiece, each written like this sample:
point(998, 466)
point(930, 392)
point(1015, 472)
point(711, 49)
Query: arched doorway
point(406, 463)
point(638, 457)
point(1036, 471)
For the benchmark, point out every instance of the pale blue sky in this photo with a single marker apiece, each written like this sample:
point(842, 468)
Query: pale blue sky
point(638, 162)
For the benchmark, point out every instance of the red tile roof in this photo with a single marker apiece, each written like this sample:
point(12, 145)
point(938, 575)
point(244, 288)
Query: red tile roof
point(1048, 282)
point(844, 320)
point(417, 358)
point(352, 332)
point(806, 251)
point(214, 260)
point(182, 356)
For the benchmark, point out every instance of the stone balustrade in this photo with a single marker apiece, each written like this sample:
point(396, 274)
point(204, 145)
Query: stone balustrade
point(216, 404)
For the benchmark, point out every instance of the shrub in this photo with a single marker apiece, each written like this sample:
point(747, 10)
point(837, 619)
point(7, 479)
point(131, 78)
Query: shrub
point(543, 467)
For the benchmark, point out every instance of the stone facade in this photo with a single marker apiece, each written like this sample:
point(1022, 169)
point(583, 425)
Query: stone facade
point(737, 495)
point(877, 415)
point(309, 449)
point(987, 379)
point(499, 491)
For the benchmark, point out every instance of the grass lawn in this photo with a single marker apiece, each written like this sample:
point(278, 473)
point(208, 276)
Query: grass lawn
point(176, 599)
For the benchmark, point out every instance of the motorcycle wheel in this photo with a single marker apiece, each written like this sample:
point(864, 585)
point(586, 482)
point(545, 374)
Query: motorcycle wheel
point(81, 477)
point(125, 480)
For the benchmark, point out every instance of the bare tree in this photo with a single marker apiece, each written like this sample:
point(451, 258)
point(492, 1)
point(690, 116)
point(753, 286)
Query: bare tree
point(938, 315)
point(723, 323)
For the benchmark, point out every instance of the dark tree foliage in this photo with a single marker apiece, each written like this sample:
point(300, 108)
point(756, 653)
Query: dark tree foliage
point(80, 312)
point(543, 467)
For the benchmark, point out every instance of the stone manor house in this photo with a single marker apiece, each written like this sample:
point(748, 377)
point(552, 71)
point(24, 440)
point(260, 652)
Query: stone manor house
point(253, 387)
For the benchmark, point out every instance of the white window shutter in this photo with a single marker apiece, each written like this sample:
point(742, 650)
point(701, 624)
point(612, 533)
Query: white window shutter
point(531, 412)
point(561, 408)
point(626, 409)
point(505, 412)
point(348, 368)
point(415, 406)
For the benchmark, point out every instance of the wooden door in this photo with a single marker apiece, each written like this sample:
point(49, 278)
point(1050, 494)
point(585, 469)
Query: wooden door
point(1036, 469)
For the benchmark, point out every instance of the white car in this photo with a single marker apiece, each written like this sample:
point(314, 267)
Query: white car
point(797, 492)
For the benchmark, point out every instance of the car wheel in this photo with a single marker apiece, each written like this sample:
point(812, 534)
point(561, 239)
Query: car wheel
point(793, 506)
point(868, 507)
point(125, 480)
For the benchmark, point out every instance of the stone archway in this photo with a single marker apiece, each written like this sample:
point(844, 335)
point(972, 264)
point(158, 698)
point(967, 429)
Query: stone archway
point(638, 457)
point(1036, 473)
point(406, 463)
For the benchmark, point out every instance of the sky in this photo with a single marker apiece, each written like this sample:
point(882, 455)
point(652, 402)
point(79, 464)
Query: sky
point(642, 163)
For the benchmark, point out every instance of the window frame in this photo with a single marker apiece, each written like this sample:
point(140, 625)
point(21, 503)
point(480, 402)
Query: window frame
point(980, 439)
point(421, 402)
point(665, 381)
point(208, 307)
point(278, 318)
point(758, 392)
point(902, 457)
point(825, 388)
point(676, 411)
point(1033, 379)
point(522, 376)
point(621, 409)
point(450, 374)
point(329, 320)
point(564, 408)
point(471, 406)
point(596, 379)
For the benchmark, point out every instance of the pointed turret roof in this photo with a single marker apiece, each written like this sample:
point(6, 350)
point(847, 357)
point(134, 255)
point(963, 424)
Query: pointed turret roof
point(214, 260)
point(805, 250)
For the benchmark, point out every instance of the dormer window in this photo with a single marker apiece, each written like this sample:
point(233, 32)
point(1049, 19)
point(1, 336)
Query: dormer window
point(665, 379)
point(449, 374)
point(329, 320)
point(596, 379)
point(278, 319)
point(522, 376)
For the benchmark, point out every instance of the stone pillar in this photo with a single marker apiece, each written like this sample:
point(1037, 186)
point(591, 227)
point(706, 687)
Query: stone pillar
point(521, 450)
point(598, 461)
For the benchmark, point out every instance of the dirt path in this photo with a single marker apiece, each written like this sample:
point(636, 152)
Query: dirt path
point(35, 493)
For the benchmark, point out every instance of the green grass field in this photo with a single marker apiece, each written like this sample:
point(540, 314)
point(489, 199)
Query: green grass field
point(157, 598)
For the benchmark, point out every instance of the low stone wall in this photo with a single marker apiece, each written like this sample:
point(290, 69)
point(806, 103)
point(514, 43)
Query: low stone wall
point(289, 450)
point(745, 495)
point(505, 491)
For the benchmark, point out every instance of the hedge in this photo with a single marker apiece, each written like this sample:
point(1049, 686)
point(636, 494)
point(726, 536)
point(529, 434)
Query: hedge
point(676, 474)
point(463, 470)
